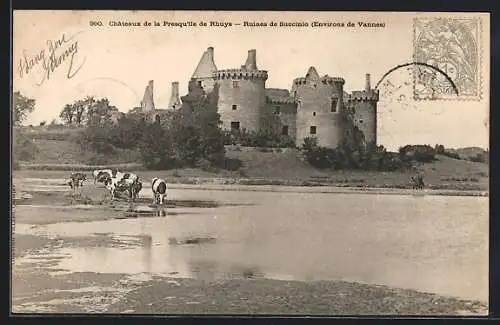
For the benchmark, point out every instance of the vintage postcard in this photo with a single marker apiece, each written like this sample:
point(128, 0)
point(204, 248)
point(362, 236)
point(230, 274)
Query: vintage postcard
point(250, 163)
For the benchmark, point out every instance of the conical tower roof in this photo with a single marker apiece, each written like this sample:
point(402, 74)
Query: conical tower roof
point(312, 73)
point(206, 67)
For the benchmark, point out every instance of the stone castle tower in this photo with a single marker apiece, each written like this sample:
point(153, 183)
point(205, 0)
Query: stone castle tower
point(175, 100)
point(148, 106)
point(320, 100)
point(312, 108)
point(204, 72)
point(147, 103)
point(364, 106)
point(242, 95)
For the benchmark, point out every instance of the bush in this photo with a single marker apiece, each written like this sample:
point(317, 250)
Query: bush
point(451, 154)
point(371, 158)
point(258, 139)
point(23, 148)
point(480, 158)
point(419, 153)
point(97, 139)
point(317, 156)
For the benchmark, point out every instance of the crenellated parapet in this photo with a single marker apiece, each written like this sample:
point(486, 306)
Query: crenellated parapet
point(240, 74)
point(324, 80)
point(281, 100)
point(363, 96)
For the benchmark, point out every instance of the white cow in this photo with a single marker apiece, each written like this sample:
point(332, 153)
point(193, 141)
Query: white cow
point(123, 182)
point(159, 187)
point(100, 174)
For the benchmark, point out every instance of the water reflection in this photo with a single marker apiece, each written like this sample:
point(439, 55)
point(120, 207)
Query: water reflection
point(436, 244)
point(147, 244)
point(206, 270)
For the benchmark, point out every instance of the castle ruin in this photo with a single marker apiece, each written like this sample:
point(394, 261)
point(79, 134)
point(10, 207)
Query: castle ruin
point(312, 108)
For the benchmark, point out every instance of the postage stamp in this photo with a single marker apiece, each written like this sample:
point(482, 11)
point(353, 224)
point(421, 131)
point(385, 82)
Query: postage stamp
point(451, 49)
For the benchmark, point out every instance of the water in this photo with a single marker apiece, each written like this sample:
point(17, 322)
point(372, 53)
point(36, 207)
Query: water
point(431, 243)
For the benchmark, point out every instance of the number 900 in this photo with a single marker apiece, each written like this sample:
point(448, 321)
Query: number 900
point(95, 23)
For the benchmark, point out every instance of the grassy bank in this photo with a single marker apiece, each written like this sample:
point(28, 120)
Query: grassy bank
point(445, 174)
point(58, 154)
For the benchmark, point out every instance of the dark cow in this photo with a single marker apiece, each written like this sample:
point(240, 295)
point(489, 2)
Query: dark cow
point(417, 182)
point(134, 190)
point(76, 180)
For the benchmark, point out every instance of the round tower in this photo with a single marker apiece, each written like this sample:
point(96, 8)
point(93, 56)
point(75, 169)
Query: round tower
point(364, 107)
point(320, 101)
point(242, 95)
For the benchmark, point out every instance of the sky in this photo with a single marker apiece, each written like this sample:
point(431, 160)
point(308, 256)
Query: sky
point(118, 61)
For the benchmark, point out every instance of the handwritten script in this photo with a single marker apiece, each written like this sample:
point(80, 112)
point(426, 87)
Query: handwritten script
point(49, 59)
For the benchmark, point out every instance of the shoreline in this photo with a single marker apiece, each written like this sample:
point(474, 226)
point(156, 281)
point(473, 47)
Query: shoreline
point(253, 185)
point(328, 189)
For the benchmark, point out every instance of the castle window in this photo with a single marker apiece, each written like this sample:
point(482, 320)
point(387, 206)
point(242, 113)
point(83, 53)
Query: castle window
point(234, 107)
point(235, 126)
point(314, 113)
point(361, 121)
point(277, 110)
point(199, 83)
point(334, 105)
point(236, 84)
point(314, 85)
point(284, 130)
point(312, 130)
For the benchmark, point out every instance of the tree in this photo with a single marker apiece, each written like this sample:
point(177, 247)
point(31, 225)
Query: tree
point(157, 148)
point(197, 126)
point(68, 113)
point(22, 107)
point(189, 136)
point(81, 107)
point(128, 132)
point(98, 111)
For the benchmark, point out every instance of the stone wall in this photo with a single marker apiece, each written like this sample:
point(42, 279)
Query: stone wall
point(365, 118)
point(315, 98)
point(279, 115)
point(364, 105)
point(241, 99)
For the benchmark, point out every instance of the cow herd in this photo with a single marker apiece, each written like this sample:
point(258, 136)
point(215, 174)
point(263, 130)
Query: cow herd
point(121, 182)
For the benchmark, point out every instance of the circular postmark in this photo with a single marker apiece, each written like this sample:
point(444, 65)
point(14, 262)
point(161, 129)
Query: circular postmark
point(107, 82)
point(396, 86)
